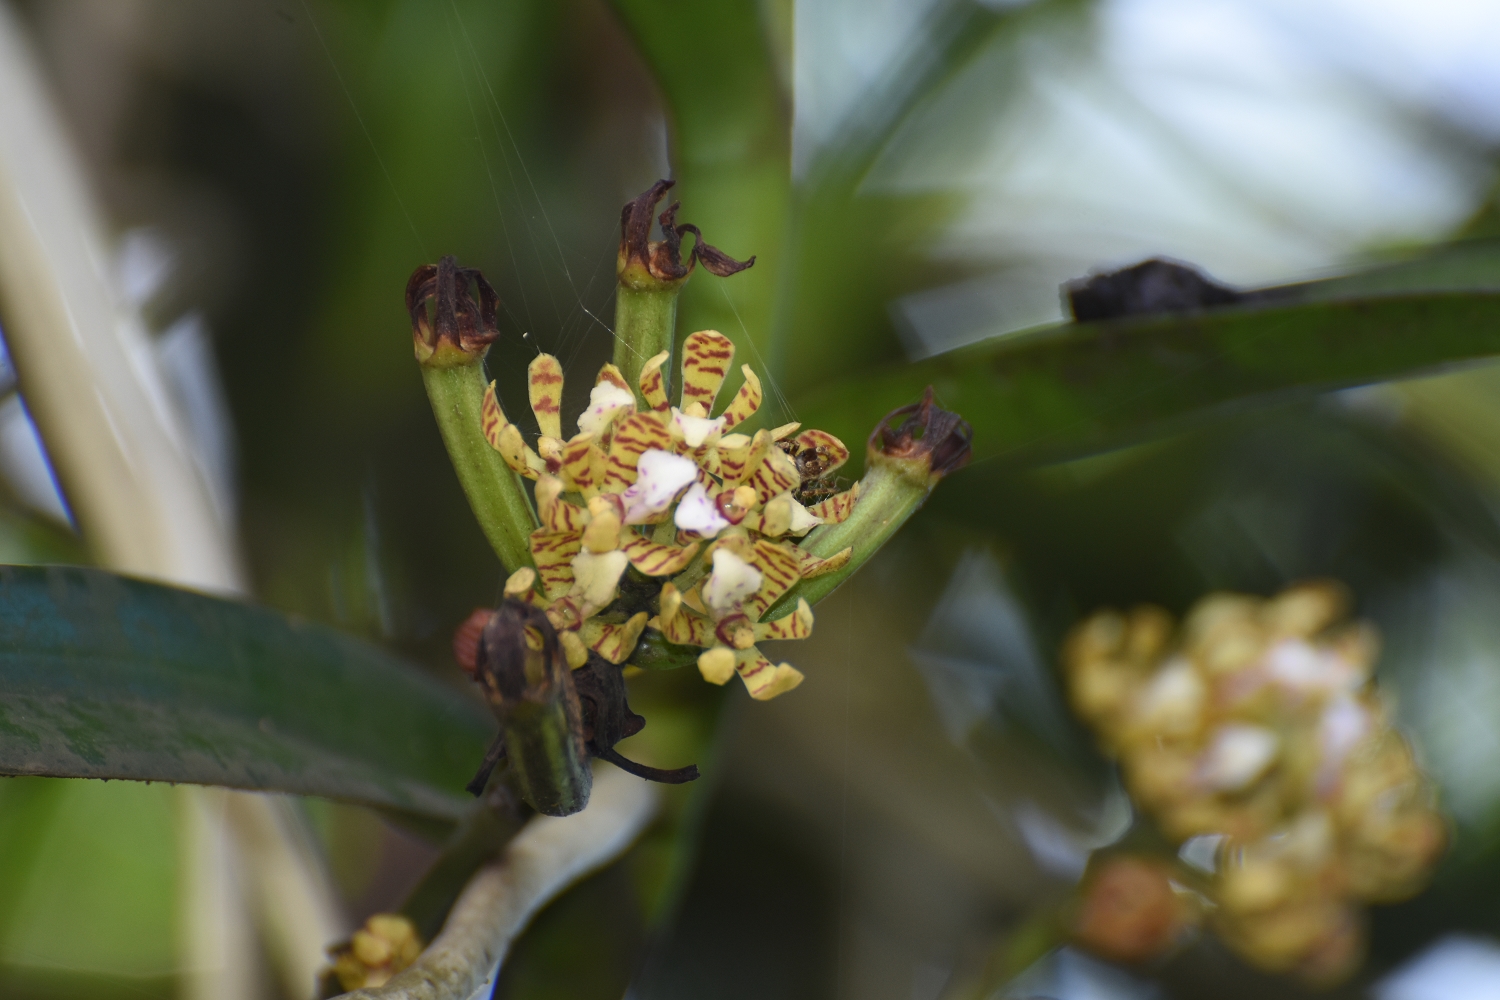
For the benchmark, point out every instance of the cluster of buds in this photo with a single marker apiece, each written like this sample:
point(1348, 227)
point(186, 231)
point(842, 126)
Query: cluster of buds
point(665, 516)
point(385, 945)
point(1258, 724)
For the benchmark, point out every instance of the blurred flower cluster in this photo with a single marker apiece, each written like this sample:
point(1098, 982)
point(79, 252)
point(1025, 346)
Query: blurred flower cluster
point(1255, 731)
point(643, 493)
point(385, 945)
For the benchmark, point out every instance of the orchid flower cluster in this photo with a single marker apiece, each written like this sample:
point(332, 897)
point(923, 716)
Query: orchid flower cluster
point(668, 517)
point(1257, 732)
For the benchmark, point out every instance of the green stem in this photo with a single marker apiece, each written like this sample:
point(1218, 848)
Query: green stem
point(892, 491)
point(645, 320)
point(495, 493)
point(480, 837)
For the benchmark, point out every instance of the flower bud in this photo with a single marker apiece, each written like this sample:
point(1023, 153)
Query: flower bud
point(459, 329)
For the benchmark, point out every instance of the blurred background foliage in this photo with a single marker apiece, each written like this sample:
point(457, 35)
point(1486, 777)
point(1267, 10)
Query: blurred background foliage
point(912, 177)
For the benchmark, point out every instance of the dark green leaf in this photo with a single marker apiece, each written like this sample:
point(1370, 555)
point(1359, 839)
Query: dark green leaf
point(107, 677)
point(1078, 388)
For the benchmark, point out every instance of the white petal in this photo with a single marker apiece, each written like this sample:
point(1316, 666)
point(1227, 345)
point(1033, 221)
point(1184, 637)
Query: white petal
point(659, 477)
point(696, 430)
point(731, 582)
point(606, 400)
point(1238, 756)
point(697, 512)
point(1171, 704)
point(803, 520)
point(596, 576)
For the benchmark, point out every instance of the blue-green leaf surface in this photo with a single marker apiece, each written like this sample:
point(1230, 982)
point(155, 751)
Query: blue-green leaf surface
point(103, 676)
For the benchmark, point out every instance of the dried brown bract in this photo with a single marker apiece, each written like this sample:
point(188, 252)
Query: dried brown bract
point(645, 261)
point(925, 430)
point(459, 327)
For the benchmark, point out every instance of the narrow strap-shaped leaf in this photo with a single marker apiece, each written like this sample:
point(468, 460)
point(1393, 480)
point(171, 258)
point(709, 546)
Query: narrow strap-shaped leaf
point(103, 676)
point(1074, 389)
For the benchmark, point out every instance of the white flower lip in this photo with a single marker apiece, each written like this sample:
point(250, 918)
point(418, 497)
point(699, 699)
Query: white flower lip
point(596, 576)
point(803, 520)
point(696, 430)
point(731, 581)
point(697, 512)
point(605, 400)
point(659, 477)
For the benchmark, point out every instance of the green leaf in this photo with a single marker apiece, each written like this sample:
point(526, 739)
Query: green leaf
point(103, 676)
point(1074, 389)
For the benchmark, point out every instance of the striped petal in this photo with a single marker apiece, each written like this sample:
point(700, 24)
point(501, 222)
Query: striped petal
point(781, 568)
point(553, 552)
point(739, 456)
point(634, 435)
point(775, 474)
point(688, 629)
point(705, 361)
point(556, 514)
point(505, 437)
point(797, 625)
point(655, 559)
point(613, 642)
point(745, 402)
point(813, 566)
point(654, 383)
point(785, 430)
point(544, 380)
point(609, 373)
point(762, 679)
point(836, 509)
point(576, 467)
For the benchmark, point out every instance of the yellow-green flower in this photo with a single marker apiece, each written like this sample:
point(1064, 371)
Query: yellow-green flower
point(664, 490)
point(1258, 724)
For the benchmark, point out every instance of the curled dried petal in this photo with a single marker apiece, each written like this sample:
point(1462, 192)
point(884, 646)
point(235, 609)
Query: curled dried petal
point(924, 430)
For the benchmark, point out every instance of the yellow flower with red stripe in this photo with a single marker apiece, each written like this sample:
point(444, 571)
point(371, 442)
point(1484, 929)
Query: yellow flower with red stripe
point(671, 492)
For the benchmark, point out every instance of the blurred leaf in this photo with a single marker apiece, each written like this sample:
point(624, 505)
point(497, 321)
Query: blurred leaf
point(1470, 266)
point(81, 902)
point(855, 246)
point(107, 677)
point(1073, 389)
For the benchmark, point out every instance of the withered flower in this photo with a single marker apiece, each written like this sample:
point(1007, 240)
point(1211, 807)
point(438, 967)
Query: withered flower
point(923, 436)
point(459, 328)
point(644, 262)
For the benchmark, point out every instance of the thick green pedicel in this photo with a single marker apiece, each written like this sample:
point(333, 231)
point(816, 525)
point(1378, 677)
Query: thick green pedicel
point(645, 319)
point(103, 676)
point(495, 493)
